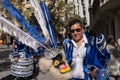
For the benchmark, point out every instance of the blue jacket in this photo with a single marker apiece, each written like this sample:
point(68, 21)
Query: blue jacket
point(93, 55)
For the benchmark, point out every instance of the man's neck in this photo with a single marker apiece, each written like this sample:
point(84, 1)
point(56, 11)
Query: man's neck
point(79, 43)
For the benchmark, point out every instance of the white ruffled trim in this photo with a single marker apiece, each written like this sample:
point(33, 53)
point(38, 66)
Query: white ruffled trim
point(12, 30)
point(40, 17)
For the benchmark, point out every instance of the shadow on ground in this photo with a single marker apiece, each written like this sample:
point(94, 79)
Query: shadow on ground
point(5, 66)
point(9, 77)
point(4, 60)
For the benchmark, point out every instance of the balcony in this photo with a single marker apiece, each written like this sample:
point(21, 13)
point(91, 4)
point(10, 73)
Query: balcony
point(110, 4)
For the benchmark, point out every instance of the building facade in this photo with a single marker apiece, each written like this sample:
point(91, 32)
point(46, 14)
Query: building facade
point(105, 17)
point(81, 8)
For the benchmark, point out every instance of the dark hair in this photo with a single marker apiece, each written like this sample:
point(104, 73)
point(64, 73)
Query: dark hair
point(74, 21)
point(109, 39)
point(92, 68)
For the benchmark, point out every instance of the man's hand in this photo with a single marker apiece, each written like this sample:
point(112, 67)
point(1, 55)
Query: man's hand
point(93, 73)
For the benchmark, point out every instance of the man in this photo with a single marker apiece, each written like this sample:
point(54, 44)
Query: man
point(82, 50)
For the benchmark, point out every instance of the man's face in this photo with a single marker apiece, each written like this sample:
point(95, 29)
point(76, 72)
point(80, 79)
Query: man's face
point(76, 32)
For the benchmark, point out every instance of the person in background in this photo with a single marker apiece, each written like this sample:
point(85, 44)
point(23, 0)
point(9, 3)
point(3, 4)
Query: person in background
point(111, 44)
point(83, 50)
point(113, 65)
point(22, 61)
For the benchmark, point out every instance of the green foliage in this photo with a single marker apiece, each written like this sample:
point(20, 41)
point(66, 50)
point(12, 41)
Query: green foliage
point(32, 19)
point(60, 13)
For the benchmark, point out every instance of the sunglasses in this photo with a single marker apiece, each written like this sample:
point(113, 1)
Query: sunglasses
point(77, 30)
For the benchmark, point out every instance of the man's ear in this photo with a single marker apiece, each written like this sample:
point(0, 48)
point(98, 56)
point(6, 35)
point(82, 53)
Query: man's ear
point(83, 30)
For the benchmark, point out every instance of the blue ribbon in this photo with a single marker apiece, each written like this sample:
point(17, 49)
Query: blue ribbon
point(15, 13)
point(49, 23)
point(68, 48)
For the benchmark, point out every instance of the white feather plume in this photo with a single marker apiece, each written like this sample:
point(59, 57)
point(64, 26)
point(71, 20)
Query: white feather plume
point(40, 17)
point(22, 36)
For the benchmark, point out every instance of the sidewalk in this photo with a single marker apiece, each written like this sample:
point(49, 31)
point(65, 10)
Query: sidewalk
point(5, 75)
point(4, 47)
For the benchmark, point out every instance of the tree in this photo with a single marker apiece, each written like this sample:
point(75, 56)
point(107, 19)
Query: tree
point(61, 12)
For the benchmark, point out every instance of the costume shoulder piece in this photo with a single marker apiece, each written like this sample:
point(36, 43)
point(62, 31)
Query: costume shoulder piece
point(100, 41)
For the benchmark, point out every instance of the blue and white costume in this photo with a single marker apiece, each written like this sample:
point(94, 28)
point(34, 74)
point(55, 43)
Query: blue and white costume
point(24, 66)
point(89, 53)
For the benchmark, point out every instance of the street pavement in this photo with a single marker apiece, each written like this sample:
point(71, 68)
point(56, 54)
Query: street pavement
point(5, 66)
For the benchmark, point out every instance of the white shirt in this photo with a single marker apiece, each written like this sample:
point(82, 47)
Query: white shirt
point(79, 54)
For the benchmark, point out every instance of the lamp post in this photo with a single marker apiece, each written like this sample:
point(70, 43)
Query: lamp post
point(90, 13)
point(84, 12)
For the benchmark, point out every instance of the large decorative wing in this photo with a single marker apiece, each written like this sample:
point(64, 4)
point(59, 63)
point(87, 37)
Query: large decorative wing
point(40, 17)
point(15, 13)
point(22, 36)
point(49, 23)
point(44, 20)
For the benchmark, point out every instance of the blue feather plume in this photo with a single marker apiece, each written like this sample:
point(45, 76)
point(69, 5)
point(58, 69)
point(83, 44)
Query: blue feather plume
point(49, 23)
point(15, 13)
